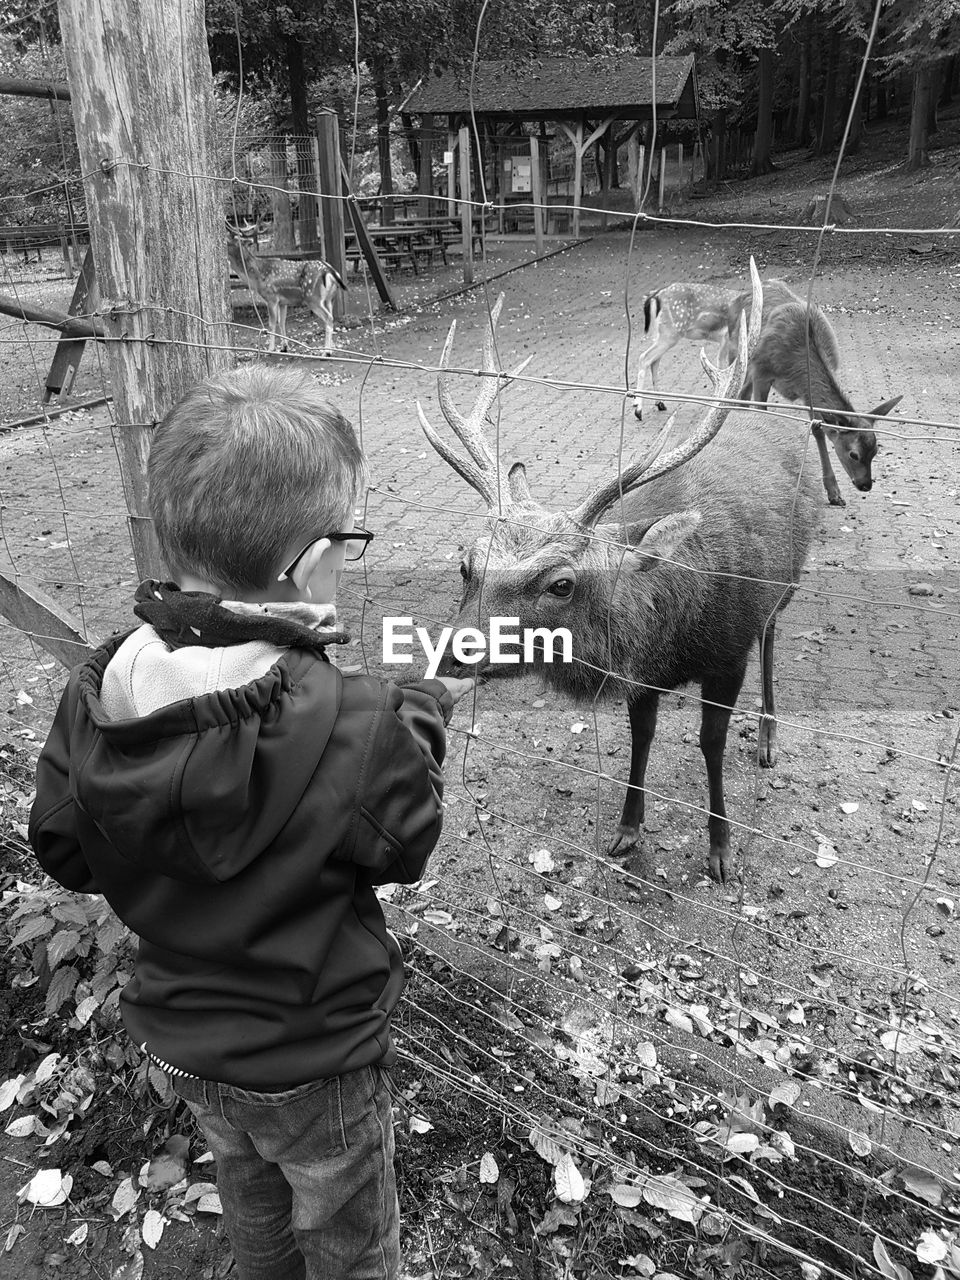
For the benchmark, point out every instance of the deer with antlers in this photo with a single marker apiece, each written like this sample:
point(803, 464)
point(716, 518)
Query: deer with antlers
point(284, 282)
point(665, 574)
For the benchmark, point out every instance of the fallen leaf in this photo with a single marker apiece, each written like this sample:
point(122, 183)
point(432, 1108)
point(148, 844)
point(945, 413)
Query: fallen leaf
point(542, 860)
point(8, 1092)
point(860, 1143)
point(151, 1229)
point(47, 1189)
point(124, 1198)
point(931, 1248)
point(21, 1128)
point(849, 806)
point(13, 1235)
point(826, 855)
point(625, 1196)
point(209, 1203)
point(678, 1019)
point(568, 1180)
point(132, 1269)
point(419, 1125)
point(489, 1169)
point(674, 1196)
point(79, 1235)
point(552, 903)
point(787, 1094)
point(745, 1186)
point(923, 1185)
point(577, 727)
point(892, 1270)
point(547, 1148)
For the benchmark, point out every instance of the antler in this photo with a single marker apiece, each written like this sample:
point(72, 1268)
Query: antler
point(648, 468)
point(481, 471)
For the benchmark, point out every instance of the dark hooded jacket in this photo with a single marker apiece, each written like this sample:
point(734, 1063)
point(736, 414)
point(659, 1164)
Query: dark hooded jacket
point(240, 835)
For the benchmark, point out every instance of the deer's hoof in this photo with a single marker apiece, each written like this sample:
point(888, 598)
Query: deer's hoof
point(661, 406)
point(719, 864)
point(623, 841)
point(767, 749)
point(638, 411)
point(836, 499)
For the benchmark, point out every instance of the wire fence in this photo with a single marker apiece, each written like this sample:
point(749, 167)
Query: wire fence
point(773, 1060)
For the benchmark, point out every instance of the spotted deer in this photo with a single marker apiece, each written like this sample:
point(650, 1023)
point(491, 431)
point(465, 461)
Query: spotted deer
point(798, 356)
point(285, 282)
point(664, 574)
point(678, 311)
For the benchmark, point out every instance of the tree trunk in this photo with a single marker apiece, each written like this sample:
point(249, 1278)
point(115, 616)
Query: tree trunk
point(883, 109)
point(383, 140)
point(156, 229)
point(932, 125)
point(714, 156)
point(827, 122)
point(763, 138)
point(801, 129)
point(855, 110)
point(306, 172)
point(413, 140)
point(917, 156)
point(946, 96)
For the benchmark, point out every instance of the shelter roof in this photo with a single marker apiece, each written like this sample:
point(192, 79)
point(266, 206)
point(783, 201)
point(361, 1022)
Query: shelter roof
point(559, 88)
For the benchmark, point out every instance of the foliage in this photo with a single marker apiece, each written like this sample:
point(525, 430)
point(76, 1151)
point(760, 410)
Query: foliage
point(75, 947)
point(40, 150)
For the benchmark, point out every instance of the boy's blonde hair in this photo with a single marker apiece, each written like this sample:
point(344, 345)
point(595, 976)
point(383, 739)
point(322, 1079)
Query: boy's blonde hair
point(247, 464)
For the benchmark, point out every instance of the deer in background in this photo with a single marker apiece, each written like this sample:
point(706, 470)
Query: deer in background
point(665, 574)
point(678, 311)
point(798, 356)
point(285, 282)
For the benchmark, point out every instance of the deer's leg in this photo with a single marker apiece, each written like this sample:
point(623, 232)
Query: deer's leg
point(649, 359)
point(282, 324)
point(719, 698)
point(654, 370)
point(834, 496)
point(767, 750)
point(643, 724)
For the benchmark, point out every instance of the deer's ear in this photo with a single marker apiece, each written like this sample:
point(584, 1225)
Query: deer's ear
point(660, 540)
point(882, 410)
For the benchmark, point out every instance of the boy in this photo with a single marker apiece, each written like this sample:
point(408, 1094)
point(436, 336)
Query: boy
point(236, 799)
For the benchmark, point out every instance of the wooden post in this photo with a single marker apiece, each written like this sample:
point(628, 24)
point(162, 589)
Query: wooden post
point(536, 194)
point(663, 176)
point(329, 169)
point(679, 164)
point(451, 174)
point(364, 243)
point(466, 208)
point(425, 176)
point(635, 168)
point(66, 358)
point(577, 176)
point(142, 96)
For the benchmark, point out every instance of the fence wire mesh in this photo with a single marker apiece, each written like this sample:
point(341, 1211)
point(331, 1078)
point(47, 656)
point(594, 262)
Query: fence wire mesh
point(773, 1061)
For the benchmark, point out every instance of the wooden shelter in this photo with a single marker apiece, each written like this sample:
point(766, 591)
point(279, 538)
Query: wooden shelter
point(612, 100)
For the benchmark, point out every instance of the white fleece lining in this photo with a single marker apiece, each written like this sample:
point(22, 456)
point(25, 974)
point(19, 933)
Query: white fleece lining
point(144, 675)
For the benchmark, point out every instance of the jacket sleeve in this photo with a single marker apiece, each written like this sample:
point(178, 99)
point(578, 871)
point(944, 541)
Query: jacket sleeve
point(400, 788)
point(52, 829)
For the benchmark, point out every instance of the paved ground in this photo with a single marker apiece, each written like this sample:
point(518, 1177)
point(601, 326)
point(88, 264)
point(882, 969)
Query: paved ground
point(868, 686)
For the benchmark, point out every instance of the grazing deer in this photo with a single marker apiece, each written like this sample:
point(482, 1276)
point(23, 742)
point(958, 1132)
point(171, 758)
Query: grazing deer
point(684, 311)
point(284, 282)
point(798, 356)
point(737, 511)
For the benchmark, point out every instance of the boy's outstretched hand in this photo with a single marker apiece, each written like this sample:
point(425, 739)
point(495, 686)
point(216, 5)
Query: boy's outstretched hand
point(456, 688)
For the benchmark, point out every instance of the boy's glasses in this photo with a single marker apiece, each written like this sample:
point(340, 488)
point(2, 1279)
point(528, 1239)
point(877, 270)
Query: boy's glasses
point(357, 541)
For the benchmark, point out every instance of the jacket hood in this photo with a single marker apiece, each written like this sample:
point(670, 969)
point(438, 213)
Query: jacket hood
point(199, 788)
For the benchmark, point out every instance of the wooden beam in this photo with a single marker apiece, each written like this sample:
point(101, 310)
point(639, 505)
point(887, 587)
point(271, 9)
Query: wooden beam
point(34, 89)
point(156, 219)
point(69, 352)
point(42, 620)
point(365, 244)
point(330, 186)
point(69, 326)
point(536, 191)
point(466, 208)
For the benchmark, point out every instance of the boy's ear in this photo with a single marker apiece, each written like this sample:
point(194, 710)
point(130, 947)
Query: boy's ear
point(308, 565)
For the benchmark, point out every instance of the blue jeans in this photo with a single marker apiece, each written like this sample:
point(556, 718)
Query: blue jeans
point(305, 1177)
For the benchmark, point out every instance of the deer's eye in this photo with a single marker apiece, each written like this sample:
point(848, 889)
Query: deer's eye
point(854, 456)
point(562, 588)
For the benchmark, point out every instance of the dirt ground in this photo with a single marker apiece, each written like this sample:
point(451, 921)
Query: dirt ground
point(843, 919)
